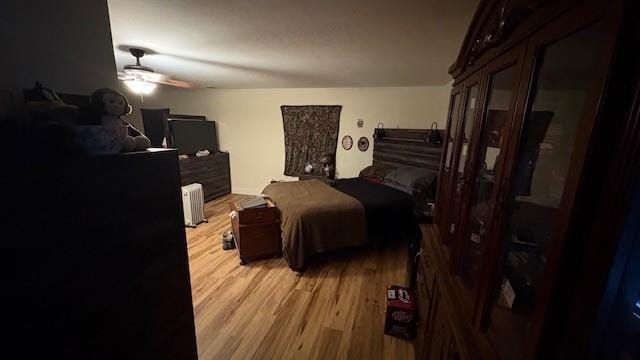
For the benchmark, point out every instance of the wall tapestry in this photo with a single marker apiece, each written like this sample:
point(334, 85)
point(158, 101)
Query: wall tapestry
point(310, 132)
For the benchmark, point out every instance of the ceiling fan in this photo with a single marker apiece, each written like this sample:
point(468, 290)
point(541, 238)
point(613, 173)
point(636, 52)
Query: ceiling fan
point(143, 79)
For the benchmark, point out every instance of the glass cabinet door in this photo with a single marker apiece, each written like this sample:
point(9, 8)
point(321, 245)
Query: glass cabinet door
point(443, 182)
point(551, 124)
point(453, 130)
point(459, 178)
point(493, 138)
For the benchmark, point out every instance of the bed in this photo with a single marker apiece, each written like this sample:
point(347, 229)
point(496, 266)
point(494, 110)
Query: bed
point(376, 208)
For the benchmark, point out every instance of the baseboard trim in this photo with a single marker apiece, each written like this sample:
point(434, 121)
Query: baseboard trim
point(245, 191)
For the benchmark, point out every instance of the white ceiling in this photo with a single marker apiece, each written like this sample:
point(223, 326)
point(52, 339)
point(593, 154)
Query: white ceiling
point(294, 43)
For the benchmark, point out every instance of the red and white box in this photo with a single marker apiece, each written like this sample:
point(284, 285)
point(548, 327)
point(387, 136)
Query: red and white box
point(401, 312)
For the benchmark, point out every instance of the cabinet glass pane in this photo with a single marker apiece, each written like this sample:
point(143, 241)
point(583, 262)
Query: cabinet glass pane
point(492, 140)
point(453, 129)
point(547, 139)
point(469, 115)
point(458, 183)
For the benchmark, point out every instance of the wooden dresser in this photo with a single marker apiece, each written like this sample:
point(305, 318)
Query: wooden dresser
point(256, 232)
point(97, 259)
point(212, 171)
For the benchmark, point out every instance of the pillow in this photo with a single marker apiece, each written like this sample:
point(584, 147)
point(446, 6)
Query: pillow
point(425, 187)
point(374, 179)
point(412, 181)
point(376, 172)
point(398, 186)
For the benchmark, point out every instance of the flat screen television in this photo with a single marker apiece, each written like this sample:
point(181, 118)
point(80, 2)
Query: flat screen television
point(191, 136)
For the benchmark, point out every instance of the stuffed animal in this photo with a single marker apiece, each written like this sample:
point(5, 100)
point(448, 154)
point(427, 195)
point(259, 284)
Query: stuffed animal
point(328, 165)
point(110, 105)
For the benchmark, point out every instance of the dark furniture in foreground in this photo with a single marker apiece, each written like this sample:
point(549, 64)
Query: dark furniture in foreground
point(212, 171)
point(256, 232)
point(7, 105)
point(97, 258)
point(540, 160)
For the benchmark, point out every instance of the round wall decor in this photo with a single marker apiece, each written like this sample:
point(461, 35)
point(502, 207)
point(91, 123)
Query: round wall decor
point(347, 142)
point(363, 143)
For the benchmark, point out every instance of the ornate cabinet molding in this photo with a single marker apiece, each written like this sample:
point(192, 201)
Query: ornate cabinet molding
point(509, 14)
point(494, 23)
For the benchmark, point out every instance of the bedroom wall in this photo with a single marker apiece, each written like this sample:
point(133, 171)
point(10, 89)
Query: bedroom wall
point(250, 122)
point(65, 44)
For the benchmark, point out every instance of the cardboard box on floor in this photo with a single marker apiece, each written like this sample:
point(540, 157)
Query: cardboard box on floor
point(400, 312)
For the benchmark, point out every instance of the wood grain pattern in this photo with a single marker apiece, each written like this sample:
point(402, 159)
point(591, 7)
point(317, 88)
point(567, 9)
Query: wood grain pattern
point(212, 171)
point(263, 310)
point(408, 147)
point(256, 232)
point(560, 322)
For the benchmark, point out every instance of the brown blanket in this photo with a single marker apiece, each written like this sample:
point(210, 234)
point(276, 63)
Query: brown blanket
point(315, 218)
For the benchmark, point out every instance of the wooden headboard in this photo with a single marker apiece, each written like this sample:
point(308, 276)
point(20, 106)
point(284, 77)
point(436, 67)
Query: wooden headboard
point(408, 147)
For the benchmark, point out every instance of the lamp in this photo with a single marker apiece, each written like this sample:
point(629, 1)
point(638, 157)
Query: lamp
point(140, 86)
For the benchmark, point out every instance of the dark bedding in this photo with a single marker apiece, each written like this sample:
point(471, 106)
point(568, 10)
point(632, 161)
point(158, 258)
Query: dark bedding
point(389, 212)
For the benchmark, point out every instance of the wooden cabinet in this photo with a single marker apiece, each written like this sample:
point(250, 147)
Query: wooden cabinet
point(534, 124)
point(435, 337)
point(212, 171)
point(442, 212)
point(424, 291)
point(256, 232)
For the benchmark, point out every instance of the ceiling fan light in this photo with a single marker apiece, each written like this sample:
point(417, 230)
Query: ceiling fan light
point(140, 86)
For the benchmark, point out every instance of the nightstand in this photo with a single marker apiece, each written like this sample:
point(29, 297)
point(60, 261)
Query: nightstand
point(256, 232)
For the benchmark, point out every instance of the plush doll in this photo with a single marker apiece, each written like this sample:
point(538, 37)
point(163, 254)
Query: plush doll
point(328, 165)
point(110, 105)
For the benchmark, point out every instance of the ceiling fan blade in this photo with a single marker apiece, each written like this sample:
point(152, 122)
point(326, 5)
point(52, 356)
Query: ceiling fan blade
point(145, 73)
point(174, 83)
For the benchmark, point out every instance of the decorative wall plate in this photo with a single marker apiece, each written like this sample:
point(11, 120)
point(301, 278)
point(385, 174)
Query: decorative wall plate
point(347, 142)
point(363, 143)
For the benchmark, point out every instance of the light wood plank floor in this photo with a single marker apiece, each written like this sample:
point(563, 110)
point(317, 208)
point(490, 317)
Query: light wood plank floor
point(264, 310)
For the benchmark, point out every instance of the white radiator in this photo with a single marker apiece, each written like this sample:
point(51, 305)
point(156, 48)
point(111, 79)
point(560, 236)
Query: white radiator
point(193, 204)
